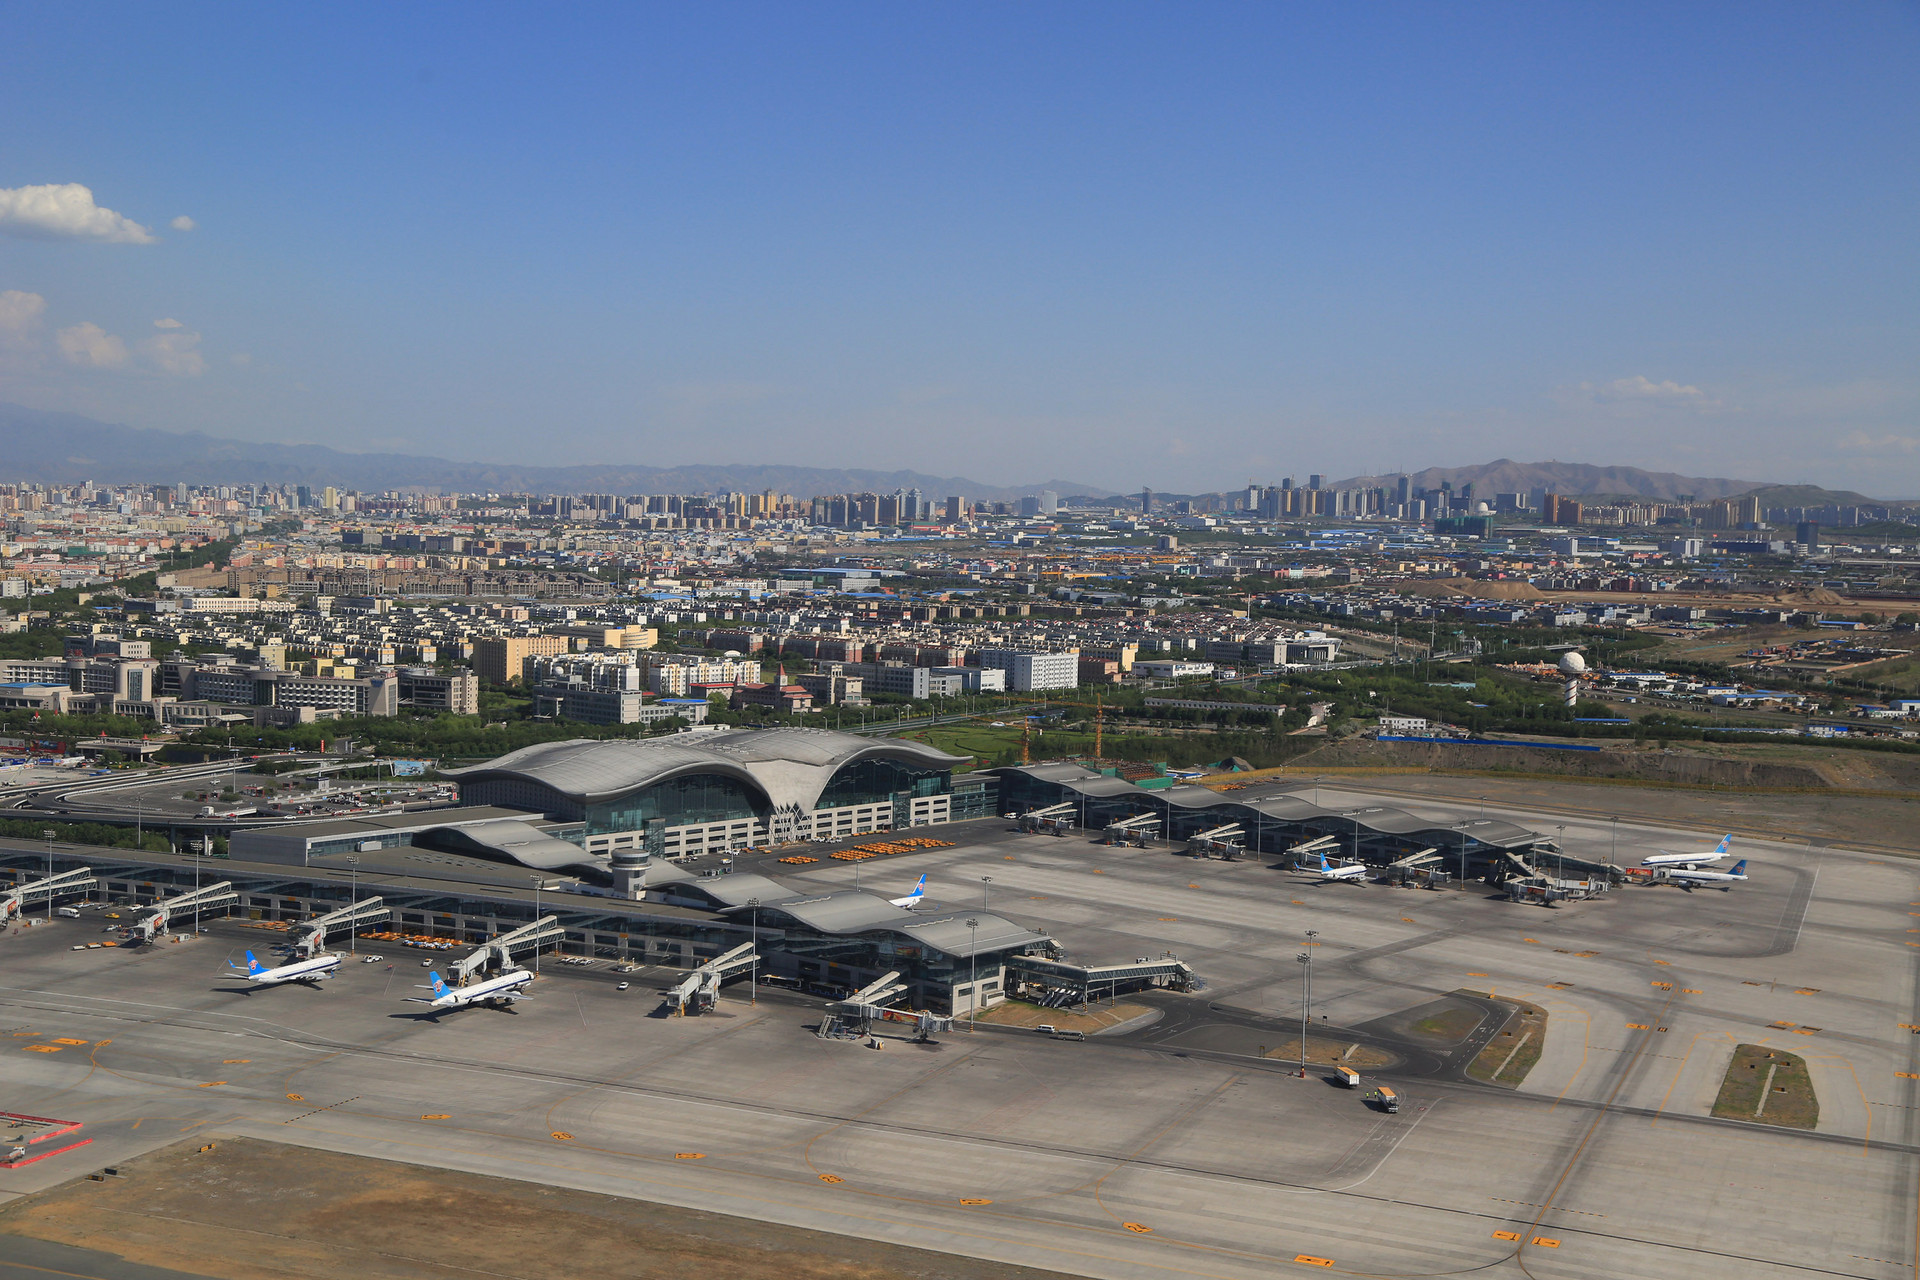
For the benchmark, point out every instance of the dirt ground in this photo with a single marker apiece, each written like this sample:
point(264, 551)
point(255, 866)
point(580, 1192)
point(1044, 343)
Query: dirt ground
point(253, 1210)
point(1874, 824)
point(1327, 1053)
point(1018, 1013)
point(1511, 1054)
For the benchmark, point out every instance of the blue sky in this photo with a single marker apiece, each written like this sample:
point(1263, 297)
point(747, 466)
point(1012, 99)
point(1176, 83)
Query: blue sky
point(1118, 243)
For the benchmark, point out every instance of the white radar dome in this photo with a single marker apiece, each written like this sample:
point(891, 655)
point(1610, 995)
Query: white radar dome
point(731, 653)
point(1572, 664)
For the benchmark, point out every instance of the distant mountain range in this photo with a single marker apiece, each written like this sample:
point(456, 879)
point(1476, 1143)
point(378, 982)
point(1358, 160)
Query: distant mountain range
point(50, 447)
point(1574, 479)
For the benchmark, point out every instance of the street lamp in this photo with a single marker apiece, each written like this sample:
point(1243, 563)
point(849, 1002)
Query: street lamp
point(353, 906)
point(1560, 852)
point(1613, 850)
point(1306, 960)
point(986, 893)
point(48, 833)
point(537, 880)
point(753, 989)
point(973, 972)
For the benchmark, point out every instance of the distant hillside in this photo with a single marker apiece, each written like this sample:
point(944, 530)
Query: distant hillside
point(1573, 479)
point(48, 447)
point(1811, 495)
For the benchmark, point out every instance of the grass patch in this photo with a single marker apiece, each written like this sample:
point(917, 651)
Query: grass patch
point(1449, 1025)
point(1327, 1053)
point(1511, 1054)
point(1780, 1079)
point(1018, 1013)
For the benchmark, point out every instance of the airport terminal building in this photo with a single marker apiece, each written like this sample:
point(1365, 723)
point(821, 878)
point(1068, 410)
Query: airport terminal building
point(701, 792)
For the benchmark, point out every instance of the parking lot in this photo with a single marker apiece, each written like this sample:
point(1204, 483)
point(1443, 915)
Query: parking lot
point(1175, 1147)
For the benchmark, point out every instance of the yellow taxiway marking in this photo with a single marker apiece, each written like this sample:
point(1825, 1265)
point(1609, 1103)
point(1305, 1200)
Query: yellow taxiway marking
point(1637, 1026)
point(1307, 1259)
point(1668, 964)
point(1136, 1227)
point(831, 1177)
point(689, 1155)
point(294, 1097)
point(212, 1084)
point(1534, 941)
point(976, 1201)
point(1506, 1235)
point(1691, 991)
point(562, 1137)
point(438, 1115)
point(1783, 1026)
point(1806, 991)
point(1545, 1242)
point(1471, 974)
point(1168, 919)
point(234, 1062)
point(43, 1048)
point(1908, 1075)
point(1665, 986)
point(1806, 1031)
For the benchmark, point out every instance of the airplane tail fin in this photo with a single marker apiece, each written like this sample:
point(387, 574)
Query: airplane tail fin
point(254, 965)
point(440, 987)
point(919, 889)
point(1726, 842)
point(1740, 869)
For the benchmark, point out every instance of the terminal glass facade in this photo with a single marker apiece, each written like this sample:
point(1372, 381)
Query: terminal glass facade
point(874, 781)
point(690, 800)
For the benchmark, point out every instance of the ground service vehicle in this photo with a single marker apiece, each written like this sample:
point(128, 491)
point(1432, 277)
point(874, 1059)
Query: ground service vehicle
point(1389, 1100)
point(1347, 1076)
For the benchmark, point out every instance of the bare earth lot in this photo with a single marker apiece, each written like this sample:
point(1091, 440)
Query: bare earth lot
point(252, 1210)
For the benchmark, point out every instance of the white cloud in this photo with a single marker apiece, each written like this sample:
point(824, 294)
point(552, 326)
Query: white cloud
point(1861, 442)
point(166, 324)
point(65, 211)
point(20, 317)
point(173, 352)
point(1640, 390)
point(88, 345)
point(183, 223)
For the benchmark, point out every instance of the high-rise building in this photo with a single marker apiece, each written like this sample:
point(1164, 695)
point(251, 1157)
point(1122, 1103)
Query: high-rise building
point(1146, 501)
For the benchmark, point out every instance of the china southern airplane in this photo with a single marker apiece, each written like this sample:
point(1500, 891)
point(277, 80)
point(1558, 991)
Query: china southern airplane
point(311, 970)
point(503, 990)
point(912, 900)
point(1687, 877)
point(1665, 859)
point(1354, 871)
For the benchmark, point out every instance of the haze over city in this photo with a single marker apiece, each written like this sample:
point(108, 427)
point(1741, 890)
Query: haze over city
point(1115, 244)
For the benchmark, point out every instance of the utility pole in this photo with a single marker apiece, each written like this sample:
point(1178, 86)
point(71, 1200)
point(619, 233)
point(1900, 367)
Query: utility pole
point(537, 880)
point(353, 906)
point(973, 972)
point(48, 833)
point(753, 992)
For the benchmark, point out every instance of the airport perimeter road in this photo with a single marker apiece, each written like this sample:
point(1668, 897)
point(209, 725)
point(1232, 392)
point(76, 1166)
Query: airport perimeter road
point(1138, 1155)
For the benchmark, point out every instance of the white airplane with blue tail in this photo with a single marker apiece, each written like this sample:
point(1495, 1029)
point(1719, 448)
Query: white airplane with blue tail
point(501, 990)
point(914, 898)
point(313, 969)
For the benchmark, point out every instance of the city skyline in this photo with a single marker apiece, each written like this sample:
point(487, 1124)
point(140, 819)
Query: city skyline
point(991, 243)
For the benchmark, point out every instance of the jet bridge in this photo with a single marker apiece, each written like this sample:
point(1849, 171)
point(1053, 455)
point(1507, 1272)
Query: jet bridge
point(309, 937)
point(1137, 830)
point(1067, 984)
point(855, 1015)
point(1328, 843)
point(497, 955)
point(14, 901)
point(159, 915)
point(1218, 842)
point(700, 990)
point(1054, 820)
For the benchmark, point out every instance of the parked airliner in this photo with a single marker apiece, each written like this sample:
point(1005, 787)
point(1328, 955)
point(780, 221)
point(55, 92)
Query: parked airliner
point(1665, 859)
point(310, 970)
point(912, 900)
point(1687, 877)
point(503, 990)
point(1355, 871)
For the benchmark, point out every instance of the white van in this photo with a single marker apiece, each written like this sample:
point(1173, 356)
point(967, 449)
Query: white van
point(71, 913)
